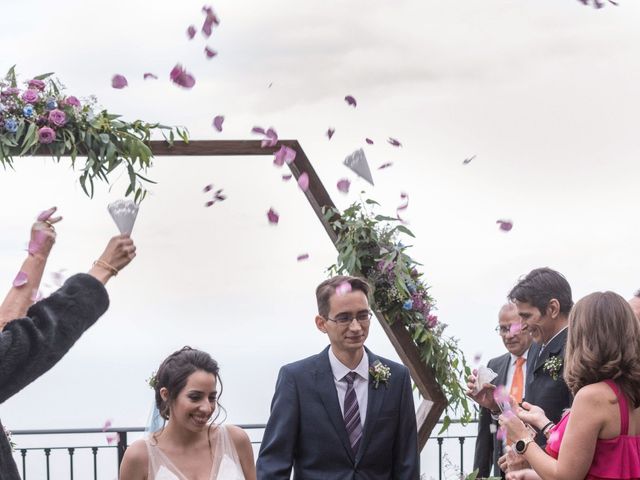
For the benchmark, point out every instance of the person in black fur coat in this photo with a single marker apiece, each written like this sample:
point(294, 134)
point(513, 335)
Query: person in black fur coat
point(35, 336)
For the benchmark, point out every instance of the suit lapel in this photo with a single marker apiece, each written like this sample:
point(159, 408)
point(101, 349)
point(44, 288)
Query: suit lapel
point(326, 388)
point(553, 349)
point(501, 379)
point(375, 401)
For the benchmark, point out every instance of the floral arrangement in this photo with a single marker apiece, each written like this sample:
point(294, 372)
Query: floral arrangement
point(552, 366)
point(152, 381)
point(380, 373)
point(39, 116)
point(7, 433)
point(368, 245)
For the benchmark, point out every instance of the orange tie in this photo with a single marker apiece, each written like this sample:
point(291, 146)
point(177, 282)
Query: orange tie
point(517, 382)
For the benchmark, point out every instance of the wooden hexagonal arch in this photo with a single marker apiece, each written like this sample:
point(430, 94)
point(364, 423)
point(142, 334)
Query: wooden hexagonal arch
point(434, 402)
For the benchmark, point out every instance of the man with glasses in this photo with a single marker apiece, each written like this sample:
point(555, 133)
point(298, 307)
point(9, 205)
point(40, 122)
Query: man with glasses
point(512, 371)
point(344, 413)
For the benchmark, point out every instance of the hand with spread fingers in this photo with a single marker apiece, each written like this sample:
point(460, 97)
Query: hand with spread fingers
point(43, 234)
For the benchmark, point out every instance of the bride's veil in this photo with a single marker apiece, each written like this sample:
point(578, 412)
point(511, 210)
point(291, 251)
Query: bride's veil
point(154, 422)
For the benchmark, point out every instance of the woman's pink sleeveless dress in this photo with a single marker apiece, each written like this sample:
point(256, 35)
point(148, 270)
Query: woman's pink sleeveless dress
point(615, 458)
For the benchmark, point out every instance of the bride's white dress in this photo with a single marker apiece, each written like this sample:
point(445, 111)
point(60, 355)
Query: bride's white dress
point(226, 464)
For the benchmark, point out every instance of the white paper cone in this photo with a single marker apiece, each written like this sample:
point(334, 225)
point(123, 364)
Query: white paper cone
point(485, 375)
point(124, 213)
point(358, 163)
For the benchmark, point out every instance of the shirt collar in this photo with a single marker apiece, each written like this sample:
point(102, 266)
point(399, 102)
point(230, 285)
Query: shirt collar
point(339, 369)
point(545, 345)
point(524, 355)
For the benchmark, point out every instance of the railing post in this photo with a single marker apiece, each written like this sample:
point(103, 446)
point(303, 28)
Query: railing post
point(461, 440)
point(440, 440)
point(23, 452)
point(47, 452)
point(94, 450)
point(122, 446)
point(71, 450)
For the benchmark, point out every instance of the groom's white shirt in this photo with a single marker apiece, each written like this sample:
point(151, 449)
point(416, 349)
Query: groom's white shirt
point(360, 384)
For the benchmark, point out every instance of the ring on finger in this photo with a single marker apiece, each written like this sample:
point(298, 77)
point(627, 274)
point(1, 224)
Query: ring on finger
point(50, 225)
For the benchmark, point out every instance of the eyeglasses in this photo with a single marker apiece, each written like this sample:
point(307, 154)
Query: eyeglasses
point(514, 329)
point(346, 318)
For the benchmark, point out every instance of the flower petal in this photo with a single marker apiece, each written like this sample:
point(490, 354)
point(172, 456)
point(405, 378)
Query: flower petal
point(284, 154)
point(350, 101)
point(505, 225)
point(303, 256)
point(343, 288)
point(259, 130)
point(303, 181)
point(402, 206)
point(467, 161)
point(218, 120)
point(394, 142)
point(343, 185)
point(191, 31)
point(119, 81)
point(181, 77)
point(207, 188)
point(210, 20)
point(330, 132)
point(210, 52)
point(286, 177)
point(150, 75)
point(369, 141)
point(21, 279)
point(385, 165)
point(273, 216)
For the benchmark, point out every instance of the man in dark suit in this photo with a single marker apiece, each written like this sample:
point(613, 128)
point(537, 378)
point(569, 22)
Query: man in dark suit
point(344, 413)
point(511, 369)
point(543, 299)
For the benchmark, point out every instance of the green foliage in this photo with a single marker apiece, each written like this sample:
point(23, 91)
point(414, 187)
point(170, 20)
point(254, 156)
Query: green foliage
point(104, 142)
point(368, 245)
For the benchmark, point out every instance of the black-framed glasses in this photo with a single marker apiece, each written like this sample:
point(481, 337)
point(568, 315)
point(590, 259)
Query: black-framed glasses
point(346, 318)
point(500, 330)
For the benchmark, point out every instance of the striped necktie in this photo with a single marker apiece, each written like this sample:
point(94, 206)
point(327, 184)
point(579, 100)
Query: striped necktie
point(352, 413)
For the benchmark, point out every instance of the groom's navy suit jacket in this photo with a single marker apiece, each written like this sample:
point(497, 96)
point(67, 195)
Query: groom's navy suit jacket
point(306, 429)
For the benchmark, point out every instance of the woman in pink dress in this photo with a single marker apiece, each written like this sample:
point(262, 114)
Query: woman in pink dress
point(600, 437)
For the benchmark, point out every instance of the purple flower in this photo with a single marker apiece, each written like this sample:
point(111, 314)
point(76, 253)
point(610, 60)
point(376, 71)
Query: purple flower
point(432, 321)
point(30, 96)
point(36, 84)
point(10, 91)
point(57, 117)
point(73, 101)
point(46, 135)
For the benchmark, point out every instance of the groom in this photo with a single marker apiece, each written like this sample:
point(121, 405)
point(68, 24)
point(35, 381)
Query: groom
point(329, 419)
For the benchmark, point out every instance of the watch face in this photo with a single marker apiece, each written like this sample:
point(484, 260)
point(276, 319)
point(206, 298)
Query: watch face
point(520, 446)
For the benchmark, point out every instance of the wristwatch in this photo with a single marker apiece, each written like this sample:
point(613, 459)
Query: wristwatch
point(521, 445)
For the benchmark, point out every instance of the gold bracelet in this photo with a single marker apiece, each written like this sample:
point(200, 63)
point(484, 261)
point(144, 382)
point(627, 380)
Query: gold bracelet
point(106, 266)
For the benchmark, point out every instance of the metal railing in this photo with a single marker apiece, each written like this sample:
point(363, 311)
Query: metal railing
point(28, 459)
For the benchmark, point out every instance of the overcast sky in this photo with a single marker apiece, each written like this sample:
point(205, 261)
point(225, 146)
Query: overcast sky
point(543, 93)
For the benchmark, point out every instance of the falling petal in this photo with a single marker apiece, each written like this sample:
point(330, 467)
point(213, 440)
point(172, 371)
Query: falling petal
point(209, 203)
point(208, 188)
point(21, 279)
point(210, 20)
point(303, 181)
point(394, 142)
point(46, 215)
point(119, 81)
point(343, 288)
point(330, 132)
point(219, 196)
point(36, 295)
point(113, 438)
point(515, 328)
point(385, 165)
point(58, 278)
point(304, 256)
point(273, 217)
point(501, 434)
point(270, 85)
point(107, 425)
point(209, 52)
point(287, 177)
point(467, 161)
point(259, 130)
point(218, 120)
point(402, 206)
point(501, 396)
point(505, 225)
point(284, 155)
point(350, 100)
point(343, 185)
point(477, 357)
point(150, 75)
point(272, 138)
point(369, 141)
point(180, 77)
point(191, 31)
point(37, 242)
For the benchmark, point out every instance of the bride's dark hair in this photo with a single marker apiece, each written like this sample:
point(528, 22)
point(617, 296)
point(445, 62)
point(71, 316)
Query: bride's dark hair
point(174, 372)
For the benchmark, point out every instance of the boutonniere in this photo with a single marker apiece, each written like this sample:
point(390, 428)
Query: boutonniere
point(380, 373)
point(552, 366)
point(8, 435)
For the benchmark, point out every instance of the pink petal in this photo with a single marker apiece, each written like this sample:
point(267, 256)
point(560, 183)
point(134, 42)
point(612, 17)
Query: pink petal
point(180, 77)
point(46, 215)
point(209, 52)
point(259, 130)
point(209, 203)
point(477, 357)
point(287, 177)
point(501, 434)
point(350, 100)
point(303, 181)
point(208, 188)
point(150, 75)
point(385, 165)
point(467, 161)
point(107, 425)
point(210, 20)
point(343, 185)
point(191, 31)
point(273, 217)
point(218, 120)
point(36, 244)
point(36, 295)
point(285, 154)
point(369, 141)
point(501, 396)
point(21, 279)
point(304, 256)
point(119, 81)
point(330, 132)
point(515, 328)
point(505, 225)
point(113, 438)
point(219, 196)
point(402, 206)
point(343, 288)
point(394, 142)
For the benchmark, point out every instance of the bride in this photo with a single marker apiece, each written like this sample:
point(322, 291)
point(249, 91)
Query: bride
point(189, 446)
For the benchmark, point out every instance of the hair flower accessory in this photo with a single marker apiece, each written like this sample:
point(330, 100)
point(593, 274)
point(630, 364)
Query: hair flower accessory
point(552, 366)
point(380, 373)
point(152, 381)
